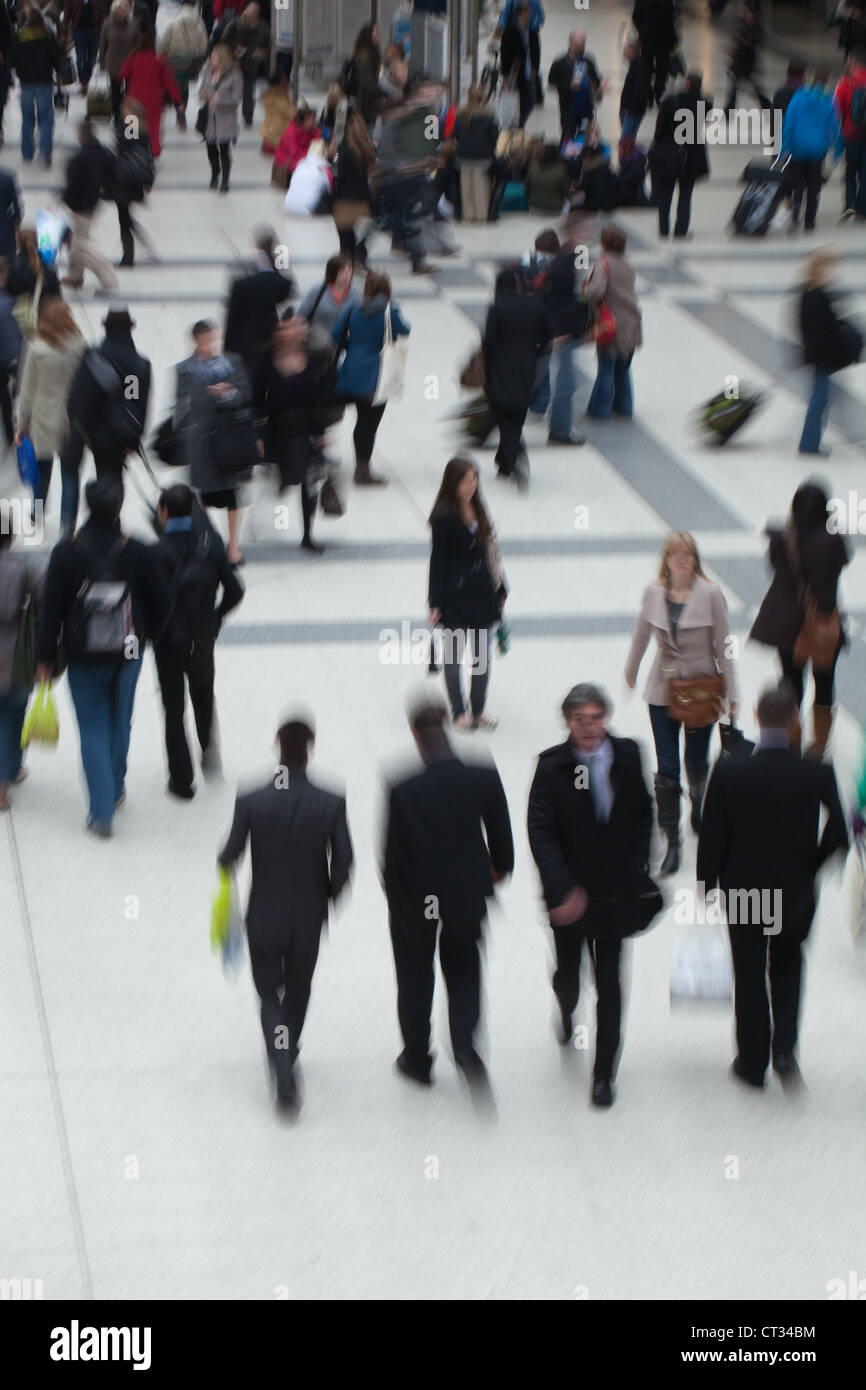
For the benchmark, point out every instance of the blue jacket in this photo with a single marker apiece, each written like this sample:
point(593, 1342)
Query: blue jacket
point(811, 127)
point(536, 16)
point(359, 370)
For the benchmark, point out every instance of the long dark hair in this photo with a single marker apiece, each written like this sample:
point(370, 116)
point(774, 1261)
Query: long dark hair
point(365, 40)
point(359, 142)
point(808, 510)
point(447, 502)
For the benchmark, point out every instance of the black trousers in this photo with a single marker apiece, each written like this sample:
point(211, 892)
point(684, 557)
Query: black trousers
point(414, 942)
point(664, 196)
point(605, 957)
point(755, 956)
point(283, 980)
point(366, 429)
point(175, 666)
point(220, 158)
point(510, 424)
point(823, 680)
point(807, 172)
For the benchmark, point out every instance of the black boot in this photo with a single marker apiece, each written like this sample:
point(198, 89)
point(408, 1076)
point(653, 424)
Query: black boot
point(668, 795)
point(697, 779)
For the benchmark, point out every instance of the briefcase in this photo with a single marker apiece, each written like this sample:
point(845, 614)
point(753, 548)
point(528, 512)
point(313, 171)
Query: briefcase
point(734, 742)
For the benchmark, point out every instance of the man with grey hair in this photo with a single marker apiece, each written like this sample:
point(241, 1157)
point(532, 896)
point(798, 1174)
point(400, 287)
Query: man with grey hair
point(590, 821)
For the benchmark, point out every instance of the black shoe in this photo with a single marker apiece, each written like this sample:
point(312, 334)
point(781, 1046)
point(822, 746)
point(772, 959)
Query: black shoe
point(312, 546)
point(602, 1094)
point(215, 182)
point(124, 264)
point(575, 439)
point(288, 1100)
point(565, 1031)
point(183, 793)
point(211, 763)
point(786, 1068)
point(475, 1075)
point(738, 1070)
point(413, 1070)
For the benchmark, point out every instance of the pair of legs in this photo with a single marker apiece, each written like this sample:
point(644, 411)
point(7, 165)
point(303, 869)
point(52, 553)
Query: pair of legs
point(248, 104)
point(612, 393)
point(103, 696)
point(129, 228)
point(807, 173)
point(220, 158)
point(84, 255)
point(560, 367)
point(605, 957)
point(351, 244)
point(855, 176)
point(511, 451)
point(283, 980)
point(228, 501)
point(177, 667)
point(86, 49)
point(816, 413)
point(399, 198)
point(475, 189)
point(629, 123)
point(37, 104)
point(414, 944)
point(456, 642)
point(666, 736)
point(70, 479)
point(664, 196)
point(822, 709)
point(756, 956)
point(13, 704)
point(364, 436)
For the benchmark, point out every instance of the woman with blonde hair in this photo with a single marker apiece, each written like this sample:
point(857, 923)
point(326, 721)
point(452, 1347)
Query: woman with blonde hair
point(692, 676)
point(49, 367)
point(221, 90)
point(829, 342)
point(476, 133)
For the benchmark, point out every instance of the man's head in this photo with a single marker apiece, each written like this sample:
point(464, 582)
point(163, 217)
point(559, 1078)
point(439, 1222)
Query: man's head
point(576, 43)
point(174, 502)
point(586, 710)
point(777, 709)
point(427, 720)
point(118, 320)
point(338, 273)
point(85, 133)
point(265, 239)
point(694, 81)
point(204, 334)
point(105, 499)
point(295, 739)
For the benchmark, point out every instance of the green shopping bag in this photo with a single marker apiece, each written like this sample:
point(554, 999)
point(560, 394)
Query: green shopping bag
point(40, 724)
point(220, 911)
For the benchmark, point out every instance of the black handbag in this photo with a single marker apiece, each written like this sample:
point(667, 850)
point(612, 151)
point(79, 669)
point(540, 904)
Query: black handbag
point(234, 443)
point(201, 120)
point(734, 742)
point(166, 443)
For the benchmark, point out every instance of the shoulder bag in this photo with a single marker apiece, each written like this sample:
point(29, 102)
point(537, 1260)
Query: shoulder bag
point(695, 701)
point(819, 638)
point(392, 364)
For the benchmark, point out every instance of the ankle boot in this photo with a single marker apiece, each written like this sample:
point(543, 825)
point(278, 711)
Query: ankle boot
point(822, 721)
point(697, 780)
point(363, 476)
point(668, 795)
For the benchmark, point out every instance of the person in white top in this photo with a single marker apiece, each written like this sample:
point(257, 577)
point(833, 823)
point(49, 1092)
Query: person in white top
point(312, 182)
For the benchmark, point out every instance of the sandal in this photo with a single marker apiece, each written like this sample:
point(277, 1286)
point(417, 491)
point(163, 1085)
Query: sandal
point(481, 721)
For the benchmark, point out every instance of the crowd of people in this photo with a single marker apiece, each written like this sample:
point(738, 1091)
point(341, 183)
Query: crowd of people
point(263, 389)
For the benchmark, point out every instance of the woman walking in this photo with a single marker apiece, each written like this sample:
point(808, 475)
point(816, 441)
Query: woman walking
point(221, 88)
point(692, 676)
point(611, 284)
point(476, 132)
point(516, 333)
point(359, 333)
point(149, 79)
point(132, 178)
point(49, 366)
point(829, 343)
point(807, 557)
point(466, 590)
point(350, 206)
point(367, 58)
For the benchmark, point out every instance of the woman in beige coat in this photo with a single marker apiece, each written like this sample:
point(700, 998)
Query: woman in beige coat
point(612, 281)
point(686, 614)
point(50, 365)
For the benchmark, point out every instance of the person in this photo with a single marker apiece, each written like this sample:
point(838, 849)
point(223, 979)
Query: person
point(359, 333)
point(30, 280)
point(466, 591)
point(520, 57)
point(685, 613)
point(11, 342)
point(212, 388)
point(310, 188)
point(611, 282)
point(104, 655)
point(254, 302)
point(296, 139)
point(636, 91)
point(405, 158)
point(36, 57)
point(810, 131)
point(476, 133)
point(394, 77)
point(87, 175)
point(279, 111)
point(655, 22)
point(322, 304)
point(334, 115)
point(249, 38)
point(448, 841)
point(7, 45)
point(547, 181)
point(760, 843)
point(183, 44)
point(578, 84)
point(807, 558)
point(84, 20)
point(746, 56)
point(536, 16)
point(290, 390)
point(794, 79)
point(675, 165)
point(302, 858)
point(149, 79)
point(367, 58)
point(350, 204)
point(108, 398)
point(567, 319)
point(221, 89)
point(830, 343)
point(118, 39)
point(17, 576)
point(195, 568)
point(132, 176)
point(516, 333)
point(592, 854)
point(10, 212)
point(850, 102)
point(50, 364)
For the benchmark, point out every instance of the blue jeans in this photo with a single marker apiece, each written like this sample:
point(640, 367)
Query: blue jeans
point(855, 176)
point(611, 393)
point(561, 410)
point(103, 695)
point(666, 736)
point(86, 48)
point(13, 703)
point(629, 124)
point(37, 104)
point(813, 426)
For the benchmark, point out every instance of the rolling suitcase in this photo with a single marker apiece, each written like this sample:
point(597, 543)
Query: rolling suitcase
point(722, 417)
point(766, 186)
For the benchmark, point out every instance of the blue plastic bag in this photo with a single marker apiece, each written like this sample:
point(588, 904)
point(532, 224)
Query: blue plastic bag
point(27, 469)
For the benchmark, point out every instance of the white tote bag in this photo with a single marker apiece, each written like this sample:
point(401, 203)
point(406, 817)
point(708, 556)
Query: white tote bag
point(702, 972)
point(507, 109)
point(392, 364)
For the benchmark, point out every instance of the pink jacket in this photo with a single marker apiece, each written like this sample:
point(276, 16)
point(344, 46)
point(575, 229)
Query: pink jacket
point(294, 144)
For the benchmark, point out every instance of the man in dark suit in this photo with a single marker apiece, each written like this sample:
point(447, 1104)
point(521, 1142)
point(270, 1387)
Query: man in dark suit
point(301, 858)
point(254, 300)
point(519, 57)
point(448, 840)
point(759, 842)
point(590, 820)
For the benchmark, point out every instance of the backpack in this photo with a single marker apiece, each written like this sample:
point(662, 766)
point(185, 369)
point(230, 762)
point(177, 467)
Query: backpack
point(133, 168)
point(194, 586)
point(101, 614)
point(857, 114)
point(117, 419)
point(348, 79)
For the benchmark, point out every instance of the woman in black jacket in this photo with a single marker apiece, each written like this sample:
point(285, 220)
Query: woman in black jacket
point(132, 176)
point(476, 133)
point(674, 163)
point(467, 589)
point(515, 335)
point(829, 343)
point(807, 558)
point(350, 204)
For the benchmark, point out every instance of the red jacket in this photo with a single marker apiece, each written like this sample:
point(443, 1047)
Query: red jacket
point(149, 79)
point(844, 93)
point(294, 144)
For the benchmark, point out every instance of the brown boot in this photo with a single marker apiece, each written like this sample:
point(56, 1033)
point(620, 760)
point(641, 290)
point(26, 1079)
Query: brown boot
point(822, 721)
point(363, 476)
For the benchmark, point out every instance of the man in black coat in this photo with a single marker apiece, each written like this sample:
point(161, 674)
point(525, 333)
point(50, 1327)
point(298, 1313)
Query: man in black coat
point(759, 842)
point(578, 83)
point(108, 398)
point(195, 565)
point(519, 57)
point(678, 157)
point(590, 821)
point(516, 333)
point(89, 174)
point(448, 840)
point(301, 858)
point(254, 300)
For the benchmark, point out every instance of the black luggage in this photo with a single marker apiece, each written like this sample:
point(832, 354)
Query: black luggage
point(766, 186)
point(723, 416)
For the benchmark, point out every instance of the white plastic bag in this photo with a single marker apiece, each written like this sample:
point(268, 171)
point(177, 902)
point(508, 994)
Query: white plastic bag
point(702, 972)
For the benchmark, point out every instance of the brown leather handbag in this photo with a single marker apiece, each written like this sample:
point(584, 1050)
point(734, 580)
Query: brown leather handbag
point(696, 702)
point(818, 638)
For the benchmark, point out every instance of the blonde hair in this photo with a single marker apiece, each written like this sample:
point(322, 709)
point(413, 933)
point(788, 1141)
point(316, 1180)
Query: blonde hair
point(318, 147)
point(224, 55)
point(819, 267)
point(674, 539)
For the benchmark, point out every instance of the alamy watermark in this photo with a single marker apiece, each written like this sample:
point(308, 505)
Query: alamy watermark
point(753, 907)
point(21, 517)
point(740, 126)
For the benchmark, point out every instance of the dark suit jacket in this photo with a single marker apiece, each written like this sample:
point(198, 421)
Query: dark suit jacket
point(301, 857)
point(512, 54)
point(252, 312)
point(446, 825)
point(760, 829)
point(573, 850)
